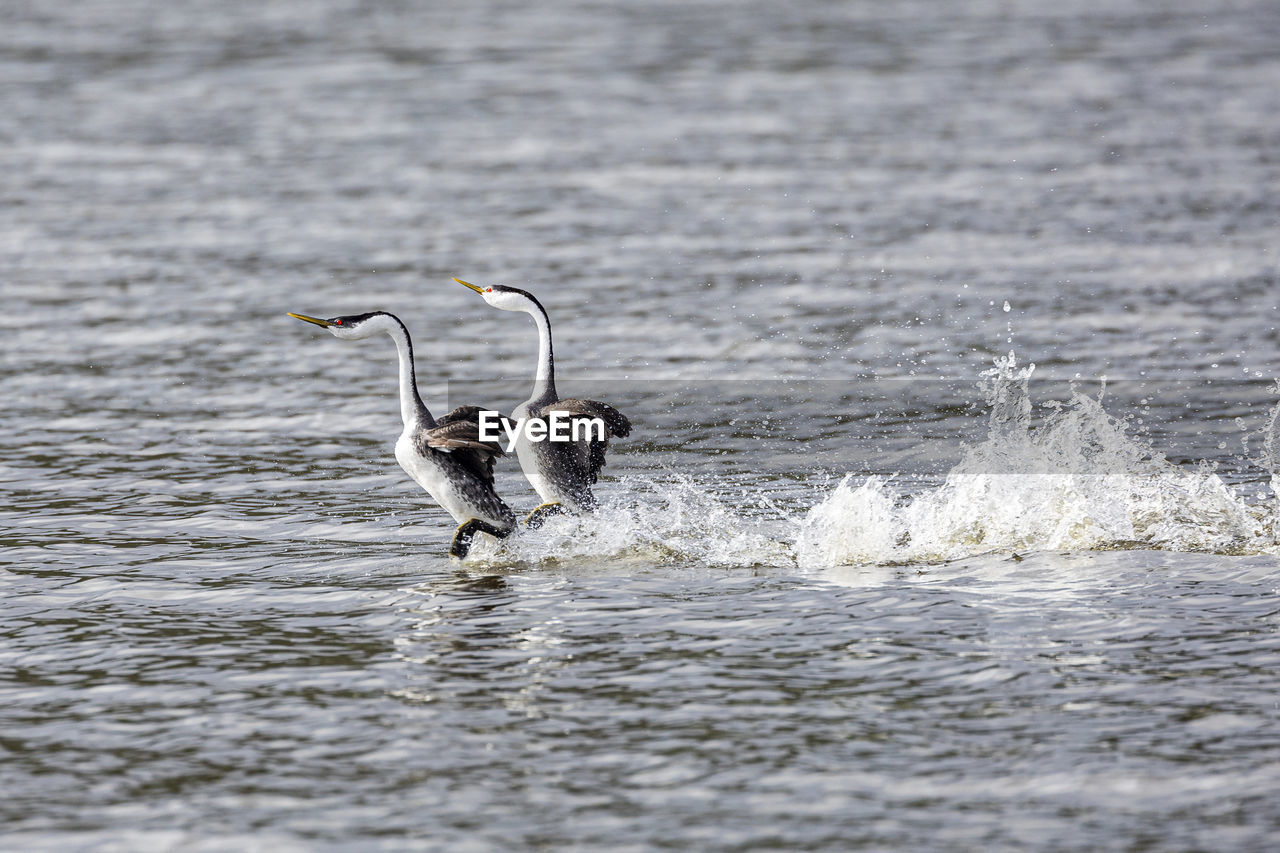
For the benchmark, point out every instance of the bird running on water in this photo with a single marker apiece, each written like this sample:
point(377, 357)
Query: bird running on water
point(446, 456)
point(561, 472)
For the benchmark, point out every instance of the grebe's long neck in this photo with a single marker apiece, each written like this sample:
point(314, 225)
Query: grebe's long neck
point(412, 410)
point(544, 381)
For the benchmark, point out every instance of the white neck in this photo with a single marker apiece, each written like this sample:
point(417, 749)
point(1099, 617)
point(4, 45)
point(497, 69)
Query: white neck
point(544, 382)
point(412, 410)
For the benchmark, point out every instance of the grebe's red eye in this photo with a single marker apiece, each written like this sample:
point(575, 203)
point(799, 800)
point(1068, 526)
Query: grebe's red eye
point(337, 322)
point(488, 290)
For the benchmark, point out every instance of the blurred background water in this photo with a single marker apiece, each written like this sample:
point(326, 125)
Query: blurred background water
point(788, 240)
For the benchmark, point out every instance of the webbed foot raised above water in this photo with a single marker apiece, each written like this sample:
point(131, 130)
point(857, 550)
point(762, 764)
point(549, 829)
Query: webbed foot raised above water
point(540, 514)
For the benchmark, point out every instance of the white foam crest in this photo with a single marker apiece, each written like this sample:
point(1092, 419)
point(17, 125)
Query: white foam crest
point(1080, 482)
point(649, 522)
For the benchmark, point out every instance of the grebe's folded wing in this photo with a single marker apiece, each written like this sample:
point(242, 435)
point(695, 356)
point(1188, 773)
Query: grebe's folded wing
point(594, 446)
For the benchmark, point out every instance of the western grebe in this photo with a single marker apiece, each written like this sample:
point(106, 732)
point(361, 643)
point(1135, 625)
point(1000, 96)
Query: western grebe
point(560, 472)
point(446, 457)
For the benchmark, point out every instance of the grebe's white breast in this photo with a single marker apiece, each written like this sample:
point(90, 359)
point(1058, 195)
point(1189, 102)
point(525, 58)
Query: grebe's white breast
point(432, 478)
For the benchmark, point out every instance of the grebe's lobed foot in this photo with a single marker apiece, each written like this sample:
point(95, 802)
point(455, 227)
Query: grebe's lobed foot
point(541, 513)
point(466, 534)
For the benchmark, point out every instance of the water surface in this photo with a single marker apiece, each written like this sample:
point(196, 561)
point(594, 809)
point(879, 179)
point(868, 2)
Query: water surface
point(790, 242)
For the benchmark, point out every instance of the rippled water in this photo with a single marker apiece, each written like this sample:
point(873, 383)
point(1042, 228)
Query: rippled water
point(861, 579)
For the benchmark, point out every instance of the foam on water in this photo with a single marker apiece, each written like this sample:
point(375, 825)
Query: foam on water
point(1079, 482)
point(658, 521)
point(1082, 481)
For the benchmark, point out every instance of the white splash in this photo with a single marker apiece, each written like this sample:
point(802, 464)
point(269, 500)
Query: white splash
point(1080, 482)
point(655, 521)
point(1271, 445)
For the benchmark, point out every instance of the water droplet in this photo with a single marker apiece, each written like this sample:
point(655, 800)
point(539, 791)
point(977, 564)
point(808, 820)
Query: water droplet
point(1006, 306)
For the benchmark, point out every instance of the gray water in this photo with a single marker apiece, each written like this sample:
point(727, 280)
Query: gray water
point(788, 240)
